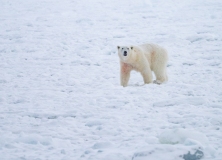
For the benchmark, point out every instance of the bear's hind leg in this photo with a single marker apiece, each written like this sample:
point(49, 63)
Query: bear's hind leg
point(161, 76)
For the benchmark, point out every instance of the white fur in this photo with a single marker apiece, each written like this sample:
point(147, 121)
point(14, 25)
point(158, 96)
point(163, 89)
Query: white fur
point(144, 59)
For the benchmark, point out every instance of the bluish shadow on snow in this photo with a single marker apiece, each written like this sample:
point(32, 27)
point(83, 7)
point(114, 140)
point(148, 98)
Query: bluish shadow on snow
point(169, 153)
point(179, 101)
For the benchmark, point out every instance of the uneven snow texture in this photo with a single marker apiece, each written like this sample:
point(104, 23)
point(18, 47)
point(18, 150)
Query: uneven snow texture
point(60, 93)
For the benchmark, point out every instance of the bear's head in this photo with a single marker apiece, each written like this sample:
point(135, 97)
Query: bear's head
point(125, 53)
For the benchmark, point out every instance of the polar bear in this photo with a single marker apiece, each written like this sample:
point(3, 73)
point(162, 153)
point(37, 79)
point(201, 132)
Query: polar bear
point(143, 58)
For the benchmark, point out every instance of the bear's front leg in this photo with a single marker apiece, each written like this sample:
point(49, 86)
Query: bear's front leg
point(125, 74)
point(147, 76)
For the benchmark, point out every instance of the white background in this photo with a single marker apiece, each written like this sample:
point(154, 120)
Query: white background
point(60, 93)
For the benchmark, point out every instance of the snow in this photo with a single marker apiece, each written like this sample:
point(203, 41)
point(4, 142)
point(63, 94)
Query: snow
point(60, 96)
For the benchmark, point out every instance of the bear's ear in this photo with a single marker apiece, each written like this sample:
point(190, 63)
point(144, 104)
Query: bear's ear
point(131, 47)
point(118, 47)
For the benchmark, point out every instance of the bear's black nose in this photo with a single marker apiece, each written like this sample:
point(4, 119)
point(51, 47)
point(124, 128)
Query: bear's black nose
point(125, 53)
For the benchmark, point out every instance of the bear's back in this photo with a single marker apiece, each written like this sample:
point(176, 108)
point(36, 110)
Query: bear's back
point(154, 53)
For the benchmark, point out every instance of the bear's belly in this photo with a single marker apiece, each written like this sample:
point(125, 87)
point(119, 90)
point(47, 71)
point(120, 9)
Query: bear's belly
point(136, 68)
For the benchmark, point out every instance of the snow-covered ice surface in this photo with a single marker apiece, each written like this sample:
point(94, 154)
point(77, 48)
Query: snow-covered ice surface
point(60, 96)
